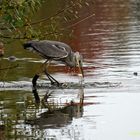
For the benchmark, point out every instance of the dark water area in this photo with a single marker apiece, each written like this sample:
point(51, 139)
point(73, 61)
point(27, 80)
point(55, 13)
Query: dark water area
point(104, 107)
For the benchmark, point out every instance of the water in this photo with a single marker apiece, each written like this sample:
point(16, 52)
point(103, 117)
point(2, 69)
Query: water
point(104, 107)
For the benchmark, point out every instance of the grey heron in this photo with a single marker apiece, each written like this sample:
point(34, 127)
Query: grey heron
point(54, 50)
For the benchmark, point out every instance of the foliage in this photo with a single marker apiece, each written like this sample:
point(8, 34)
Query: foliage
point(16, 19)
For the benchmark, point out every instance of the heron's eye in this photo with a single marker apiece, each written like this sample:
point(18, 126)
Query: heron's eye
point(80, 61)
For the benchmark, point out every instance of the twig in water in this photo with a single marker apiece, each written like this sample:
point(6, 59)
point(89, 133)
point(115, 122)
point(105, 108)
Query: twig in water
point(10, 67)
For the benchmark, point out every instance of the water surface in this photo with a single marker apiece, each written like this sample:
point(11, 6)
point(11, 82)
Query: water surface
point(105, 107)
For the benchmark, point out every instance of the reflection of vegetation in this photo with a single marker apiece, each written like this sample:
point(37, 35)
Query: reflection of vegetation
point(11, 113)
point(16, 23)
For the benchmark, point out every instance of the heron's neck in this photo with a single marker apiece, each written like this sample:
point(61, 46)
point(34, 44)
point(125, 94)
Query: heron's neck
point(71, 61)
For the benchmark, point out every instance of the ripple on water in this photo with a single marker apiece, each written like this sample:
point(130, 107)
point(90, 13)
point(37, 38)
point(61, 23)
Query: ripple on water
point(24, 85)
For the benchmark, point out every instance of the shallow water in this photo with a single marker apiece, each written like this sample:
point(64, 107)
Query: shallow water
point(104, 107)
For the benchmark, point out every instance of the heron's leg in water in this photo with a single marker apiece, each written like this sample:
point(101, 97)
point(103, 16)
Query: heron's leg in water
point(53, 80)
point(37, 99)
point(37, 75)
point(43, 69)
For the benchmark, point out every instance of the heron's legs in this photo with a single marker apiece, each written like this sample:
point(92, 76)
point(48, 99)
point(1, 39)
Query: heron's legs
point(41, 70)
point(53, 80)
point(37, 99)
point(36, 76)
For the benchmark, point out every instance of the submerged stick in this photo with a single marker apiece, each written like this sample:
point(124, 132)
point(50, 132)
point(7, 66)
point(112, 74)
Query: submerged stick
point(11, 67)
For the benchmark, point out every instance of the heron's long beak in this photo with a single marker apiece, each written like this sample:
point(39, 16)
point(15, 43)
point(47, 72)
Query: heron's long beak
point(80, 65)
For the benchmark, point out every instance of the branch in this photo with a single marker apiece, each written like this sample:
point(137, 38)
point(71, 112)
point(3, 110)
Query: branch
point(44, 19)
point(12, 67)
point(54, 15)
point(62, 29)
point(74, 24)
point(82, 20)
point(9, 37)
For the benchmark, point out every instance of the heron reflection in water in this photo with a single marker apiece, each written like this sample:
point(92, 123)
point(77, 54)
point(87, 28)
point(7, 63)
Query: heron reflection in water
point(54, 50)
point(59, 113)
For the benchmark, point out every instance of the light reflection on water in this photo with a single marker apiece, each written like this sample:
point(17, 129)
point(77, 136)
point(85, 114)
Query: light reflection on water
point(109, 43)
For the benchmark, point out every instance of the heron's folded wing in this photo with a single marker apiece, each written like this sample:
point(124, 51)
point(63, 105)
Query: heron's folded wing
point(50, 50)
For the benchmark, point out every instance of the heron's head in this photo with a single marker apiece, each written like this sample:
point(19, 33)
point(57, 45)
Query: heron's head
point(79, 62)
point(28, 46)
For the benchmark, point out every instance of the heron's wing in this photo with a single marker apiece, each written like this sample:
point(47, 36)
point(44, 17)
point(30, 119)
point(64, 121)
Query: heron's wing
point(49, 50)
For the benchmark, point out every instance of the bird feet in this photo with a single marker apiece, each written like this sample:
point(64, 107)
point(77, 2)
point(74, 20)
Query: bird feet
point(52, 80)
